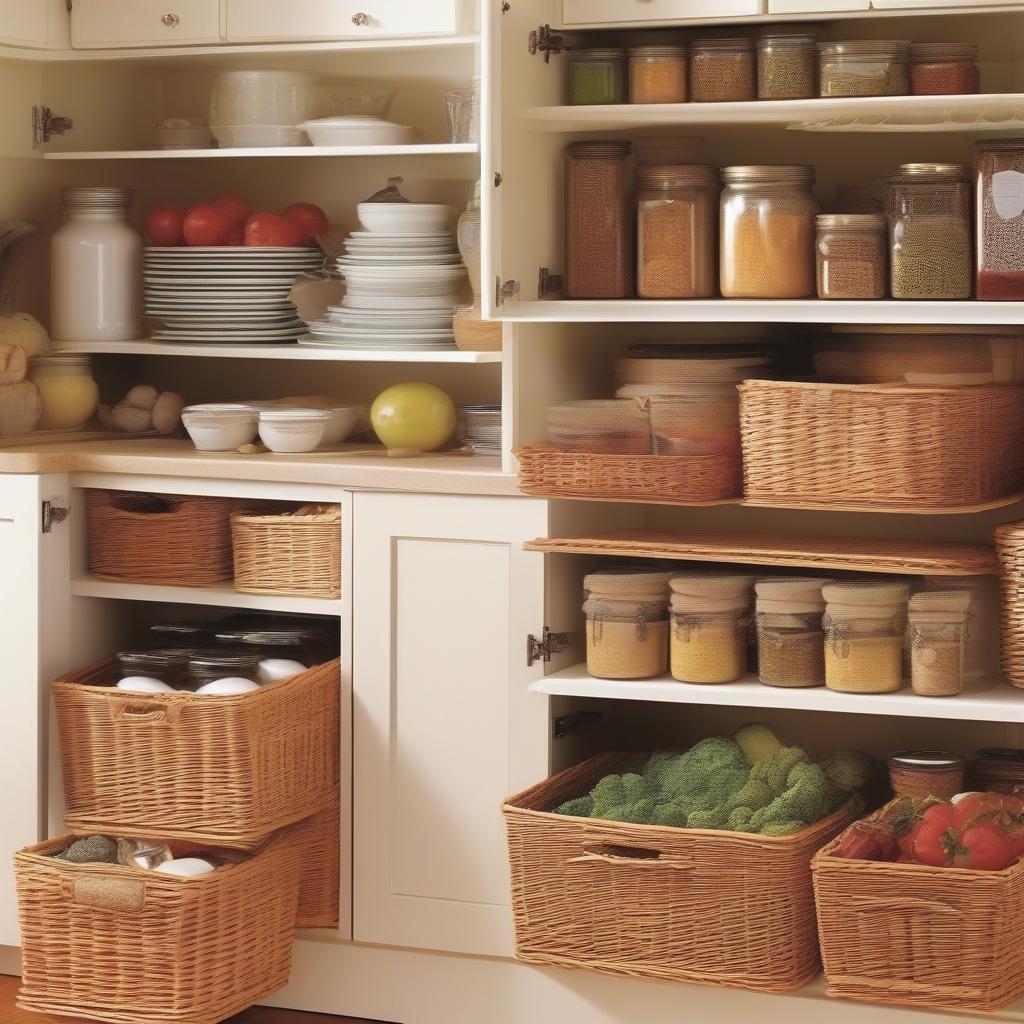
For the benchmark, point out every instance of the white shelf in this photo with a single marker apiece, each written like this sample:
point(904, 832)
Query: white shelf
point(426, 149)
point(218, 595)
point(1000, 703)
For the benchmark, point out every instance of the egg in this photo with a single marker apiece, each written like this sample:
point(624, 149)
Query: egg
point(228, 686)
point(278, 668)
point(186, 867)
point(144, 684)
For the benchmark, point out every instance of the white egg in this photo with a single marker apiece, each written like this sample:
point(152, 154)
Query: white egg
point(279, 668)
point(228, 686)
point(144, 684)
point(187, 867)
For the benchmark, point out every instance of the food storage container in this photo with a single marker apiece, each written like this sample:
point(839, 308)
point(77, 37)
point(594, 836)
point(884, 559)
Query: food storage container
point(293, 430)
point(597, 75)
point(944, 69)
point(997, 770)
point(722, 70)
point(852, 256)
point(660, 369)
point(869, 67)
point(463, 109)
point(767, 232)
point(307, 646)
point(790, 637)
point(600, 425)
point(169, 665)
point(981, 657)
point(258, 136)
point(598, 221)
point(939, 622)
point(182, 634)
point(627, 624)
point(181, 133)
point(787, 66)
point(343, 99)
point(68, 391)
point(659, 74)
point(696, 419)
point(710, 627)
point(220, 427)
point(999, 221)
point(356, 130)
point(920, 773)
point(210, 665)
point(259, 97)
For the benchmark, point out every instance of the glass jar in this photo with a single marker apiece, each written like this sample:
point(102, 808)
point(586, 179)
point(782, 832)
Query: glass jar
point(790, 638)
point(659, 74)
point(1000, 219)
point(852, 255)
point(472, 332)
point(722, 70)
point(930, 253)
point(938, 643)
point(786, 67)
point(306, 646)
point(864, 67)
point(944, 69)
point(597, 75)
point(598, 221)
point(710, 628)
point(209, 666)
point(67, 389)
point(96, 268)
point(922, 773)
point(183, 634)
point(677, 215)
point(767, 232)
point(169, 666)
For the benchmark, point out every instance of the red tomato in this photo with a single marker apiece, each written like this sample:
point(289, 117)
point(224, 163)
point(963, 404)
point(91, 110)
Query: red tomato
point(237, 235)
point(164, 226)
point(978, 806)
point(309, 220)
point(931, 836)
point(981, 847)
point(205, 225)
point(234, 209)
point(270, 229)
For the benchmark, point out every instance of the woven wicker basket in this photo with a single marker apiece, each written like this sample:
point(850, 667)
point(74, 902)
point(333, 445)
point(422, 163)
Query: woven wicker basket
point(917, 935)
point(146, 538)
point(1010, 551)
point(320, 889)
point(225, 770)
point(682, 480)
point(288, 553)
point(118, 944)
point(881, 446)
point(717, 908)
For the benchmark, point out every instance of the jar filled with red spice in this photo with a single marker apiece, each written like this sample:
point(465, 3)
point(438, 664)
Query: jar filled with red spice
point(944, 69)
point(999, 221)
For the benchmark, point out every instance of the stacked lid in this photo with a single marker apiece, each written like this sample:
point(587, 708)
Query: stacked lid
point(792, 595)
point(627, 593)
point(710, 593)
point(481, 428)
point(96, 198)
point(610, 426)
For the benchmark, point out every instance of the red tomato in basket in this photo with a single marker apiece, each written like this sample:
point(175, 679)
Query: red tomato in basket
point(981, 847)
point(165, 226)
point(931, 836)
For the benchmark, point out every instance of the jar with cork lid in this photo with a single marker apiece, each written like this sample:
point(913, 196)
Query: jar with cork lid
point(659, 74)
point(710, 627)
point(852, 256)
point(722, 70)
point(790, 639)
point(787, 65)
point(938, 621)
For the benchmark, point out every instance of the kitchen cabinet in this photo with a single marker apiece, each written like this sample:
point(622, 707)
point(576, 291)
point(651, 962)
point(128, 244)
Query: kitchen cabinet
point(966, 5)
point(127, 23)
point(23, 24)
point(817, 6)
point(580, 13)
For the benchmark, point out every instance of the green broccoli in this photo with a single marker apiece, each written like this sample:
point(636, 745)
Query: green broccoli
point(739, 819)
point(850, 769)
point(809, 796)
point(774, 771)
point(717, 817)
point(757, 742)
point(624, 798)
point(782, 828)
point(704, 777)
point(581, 807)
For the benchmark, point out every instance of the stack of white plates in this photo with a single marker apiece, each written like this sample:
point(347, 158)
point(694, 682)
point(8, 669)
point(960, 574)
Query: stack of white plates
point(481, 428)
point(226, 294)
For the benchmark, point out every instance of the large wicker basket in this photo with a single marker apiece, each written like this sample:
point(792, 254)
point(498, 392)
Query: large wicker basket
point(1010, 550)
point(920, 936)
point(128, 946)
point(169, 539)
point(320, 889)
point(226, 770)
point(880, 446)
point(297, 553)
point(717, 908)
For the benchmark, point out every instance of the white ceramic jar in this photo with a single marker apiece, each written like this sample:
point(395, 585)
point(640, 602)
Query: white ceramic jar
point(96, 268)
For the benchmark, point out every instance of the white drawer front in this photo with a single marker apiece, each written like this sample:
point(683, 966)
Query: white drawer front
point(816, 6)
point(599, 12)
point(888, 5)
point(128, 23)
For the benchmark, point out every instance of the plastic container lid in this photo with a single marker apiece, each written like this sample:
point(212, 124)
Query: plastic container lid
point(669, 176)
point(927, 760)
point(857, 48)
point(661, 50)
point(866, 594)
point(940, 600)
point(931, 170)
point(712, 585)
point(612, 149)
point(627, 583)
point(767, 174)
point(595, 53)
point(853, 221)
point(791, 588)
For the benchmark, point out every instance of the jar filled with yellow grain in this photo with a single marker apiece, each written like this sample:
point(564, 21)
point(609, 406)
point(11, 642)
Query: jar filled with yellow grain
point(722, 70)
point(767, 232)
point(710, 627)
point(659, 74)
point(627, 624)
point(790, 638)
point(938, 642)
point(865, 625)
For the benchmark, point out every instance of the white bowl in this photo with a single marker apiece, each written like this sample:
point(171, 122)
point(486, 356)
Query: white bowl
point(262, 97)
point(220, 428)
point(293, 430)
point(342, 422)
point(184, 137)
point(404, 218)
point(258, 136)
point(356, 131)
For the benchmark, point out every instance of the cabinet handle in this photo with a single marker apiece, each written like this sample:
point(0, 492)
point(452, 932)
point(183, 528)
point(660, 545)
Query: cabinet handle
point(360, 19)
point(171, 20)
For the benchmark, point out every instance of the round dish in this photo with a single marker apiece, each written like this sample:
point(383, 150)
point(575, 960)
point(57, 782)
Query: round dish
point(293, 430)
point(404, 218)
point(356, 131)
point(220, 427)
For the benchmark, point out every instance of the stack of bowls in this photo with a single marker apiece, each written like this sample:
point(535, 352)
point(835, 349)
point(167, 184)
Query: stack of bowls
point(261, 107)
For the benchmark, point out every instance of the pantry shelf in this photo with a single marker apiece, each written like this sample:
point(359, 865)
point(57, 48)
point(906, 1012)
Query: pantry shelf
point(426, 149)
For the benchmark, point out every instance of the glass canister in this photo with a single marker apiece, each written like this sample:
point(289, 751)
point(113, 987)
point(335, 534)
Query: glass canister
point(169, 666)
point(627, 624)
point(790, 638)
point(1000, 219)
point(209, 666)
point(96, 268)
point(68, 391)
point(722, 70)
point(981, 657)
point(944, 69)
point(787, 66)
point(659, 74)
point(472, 332)
point(695, 419)
point(930, 253)
point(864, 67)
point(710, 627)
point(938, 642)
point(597, 75)
point(852, 256)
point(598, 221)
point(677, 220)
point(766, 239)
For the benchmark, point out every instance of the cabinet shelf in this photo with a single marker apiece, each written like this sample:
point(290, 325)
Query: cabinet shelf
point(424, 149)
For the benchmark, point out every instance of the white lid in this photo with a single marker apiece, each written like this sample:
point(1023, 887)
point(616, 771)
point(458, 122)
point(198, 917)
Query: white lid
point(869, 593)
point(790, 588)
point(294, 415)
point(941, 600)
point(727, 585)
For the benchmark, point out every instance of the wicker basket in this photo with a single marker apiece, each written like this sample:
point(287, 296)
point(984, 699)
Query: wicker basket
point(148, 538)
point(717, 908)
point(1010, 551)
point(683, 480)
point(128, 946)
point(224, 770)
point(296, 553)
point(320, 889)
point(881, 446)
point(917, 935)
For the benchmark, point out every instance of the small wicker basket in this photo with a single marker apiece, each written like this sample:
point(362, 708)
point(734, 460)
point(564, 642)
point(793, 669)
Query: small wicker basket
point(1010, 551)
point(320, 889)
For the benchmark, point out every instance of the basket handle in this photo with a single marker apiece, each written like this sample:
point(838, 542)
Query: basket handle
point(136, 708)
point(903, 905)
point(104, 893)
point(630, 856)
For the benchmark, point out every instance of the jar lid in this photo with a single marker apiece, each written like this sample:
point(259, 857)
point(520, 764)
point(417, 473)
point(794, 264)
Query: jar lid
point(606, 150)
point(677, 176)
point(691, 604)
point(791, 588)
point(218, 659)
point(658, 51)
point(723, 43)
point(941, 601)
point(927, 760)
point(70, 362)
point(627, 582)
point(268, 637)
point(932, 170)
point(598, 53)
point(712, 585)
point(96, 197)
point(787, 40)
point(853, 221)
point(763, 174)
point(926, 53)
point(857, 48)
point(162, 658)
point(876, 593)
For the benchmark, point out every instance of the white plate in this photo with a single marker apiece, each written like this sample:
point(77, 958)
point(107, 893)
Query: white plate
point(274, 295)
point(202, 305)
point(185, 284)
point(241, 251)
point(248, 315)
point(169, 334)
point(446, 301)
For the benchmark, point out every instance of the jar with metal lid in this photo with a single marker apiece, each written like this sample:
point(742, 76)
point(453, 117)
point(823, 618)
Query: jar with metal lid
point(790, 638)
point(710, 627)
point(852, 256)
point(677, 222)
point(627, 624)
point(167, 665)
point(722, 70)
point(1000, 219)
point(659, 74)
point(787, 66)
point(864, 67)
point(766, 243)
point(598, 221)
point(938, 623)
point(96, 268)
point(209, 666)
point(930, 253)
point(921, 773)
point(67, 390)
point(597, 75)
point(944, 69)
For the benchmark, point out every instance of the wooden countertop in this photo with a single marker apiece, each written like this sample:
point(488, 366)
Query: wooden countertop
point(434, 474)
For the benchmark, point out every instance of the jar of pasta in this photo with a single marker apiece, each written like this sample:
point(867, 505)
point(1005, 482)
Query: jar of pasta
point(864, 67)
point(787, 66)
point(766, 244)
point(938, 642)
point(790, 639)
point(627, 624)
point(710, 627)
point(597, 75)
point(722, 70)
point(659, 74)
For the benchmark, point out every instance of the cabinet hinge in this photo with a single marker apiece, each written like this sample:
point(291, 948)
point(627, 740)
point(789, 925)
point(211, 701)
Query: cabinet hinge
point(45, 123)
point(543, 40)
point(505, 7)
point(504, 290)
point(563, 725)
point(52, 515)
point(547, 645)
point(548, 283)
point(498, 179)
point(70, 5)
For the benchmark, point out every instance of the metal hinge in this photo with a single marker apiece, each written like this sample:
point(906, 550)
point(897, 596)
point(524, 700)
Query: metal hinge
point(498, 179)
point(504, 290)
point(52, 515)
point(543, 40)
point(548, 645)
point(70, 5)
point(547, 283)
point(563, 725)
point(45, 123)
point(505, 7)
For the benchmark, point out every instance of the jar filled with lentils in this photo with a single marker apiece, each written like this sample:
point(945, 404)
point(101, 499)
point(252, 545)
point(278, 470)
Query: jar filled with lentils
point(598, 221)
point(852, 256)
point(787, 67)
point(868, 67)
point(722, 70)
point(930, 232)
point(767, 228)
point(790, 637)
point(1000, 219)
point(677, 226)
point(597, 75)
point(659, 74)
point(944, 69)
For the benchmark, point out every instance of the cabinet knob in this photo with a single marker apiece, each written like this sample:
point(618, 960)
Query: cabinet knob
point(171, 20)
point(360, 19)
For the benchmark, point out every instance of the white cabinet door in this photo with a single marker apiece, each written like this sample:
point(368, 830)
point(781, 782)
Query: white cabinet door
point(816, 6)
point(603, 12)
point(24, 24)
point(444, 728)
point(885, 5)
point(96, 24)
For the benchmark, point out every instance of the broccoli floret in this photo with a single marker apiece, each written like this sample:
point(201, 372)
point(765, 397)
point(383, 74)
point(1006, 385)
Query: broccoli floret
point(581, 807)
point(754, 794)
point(850, 769)
point(739, 819)
point(717, 817)
point(705, 776)
point(774, 771)
point(624, 798)
point(782, 828)
point(809, 796)
point(670, 814)
point(757, 742)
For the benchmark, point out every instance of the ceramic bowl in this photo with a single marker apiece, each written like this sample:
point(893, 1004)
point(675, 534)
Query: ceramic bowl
point(404, 218)
point(342, 422)
point(356, 131)
point(220, 428)
point(293, 430)
point(184, 137)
